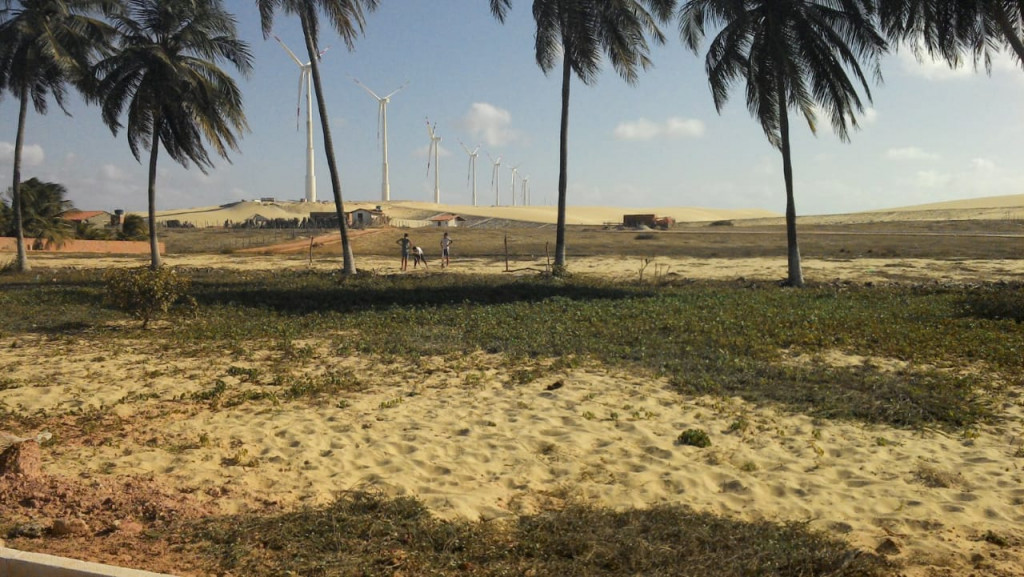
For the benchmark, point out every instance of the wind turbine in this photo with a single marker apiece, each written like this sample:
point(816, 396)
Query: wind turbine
point(494, 177)
point(515, 171)
point(526, 191)
point(382, 135)
point(471, 175)
point(435, 141)
point(305, 78)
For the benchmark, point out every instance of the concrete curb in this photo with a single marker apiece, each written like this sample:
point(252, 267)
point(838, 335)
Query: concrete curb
point(14, 563)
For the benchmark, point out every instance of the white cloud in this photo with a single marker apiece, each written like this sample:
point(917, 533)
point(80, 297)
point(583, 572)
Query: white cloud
point(682, 127)
point(674, 127)
point(490, 124)
point(983, 164)
point(424, 151)
point(31, 154)
point(932, 179)
point(909, 153)
point(109, 172)
point(870, 116)
point(931, 68)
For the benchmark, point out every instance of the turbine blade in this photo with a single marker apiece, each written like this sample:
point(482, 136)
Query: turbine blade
point(397, 90)
point(380, 119)
point(289, 51)
point(366, 88)
point(298, 100)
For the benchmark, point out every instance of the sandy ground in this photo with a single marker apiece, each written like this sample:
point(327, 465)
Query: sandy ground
point(472, 439)
point(621, 268)
point(1001, 207)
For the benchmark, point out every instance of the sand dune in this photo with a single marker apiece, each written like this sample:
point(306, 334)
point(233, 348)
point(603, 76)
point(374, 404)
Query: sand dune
point(998, 207)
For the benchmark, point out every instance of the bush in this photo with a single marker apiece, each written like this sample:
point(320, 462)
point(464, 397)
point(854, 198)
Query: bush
point(694, 438)
point(145, 293)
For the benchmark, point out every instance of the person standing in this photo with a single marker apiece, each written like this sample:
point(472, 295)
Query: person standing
point(446, 243)
point(405, 244)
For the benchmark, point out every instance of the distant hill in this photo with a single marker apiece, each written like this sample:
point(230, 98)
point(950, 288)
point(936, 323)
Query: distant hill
point(1009, 207)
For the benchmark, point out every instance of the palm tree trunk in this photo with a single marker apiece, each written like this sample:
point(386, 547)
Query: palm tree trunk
point(796, 275)
point(563, 161)
point(154, 246)
point(348, 259)
point(21, 264)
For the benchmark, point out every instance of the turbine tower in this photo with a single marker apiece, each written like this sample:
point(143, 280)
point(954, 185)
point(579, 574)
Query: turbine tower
point(515, 172)
point(494, 177)
point(382, 136)
point(471, 174)
point(435, 142)
point(526, 191)
point(305, 79)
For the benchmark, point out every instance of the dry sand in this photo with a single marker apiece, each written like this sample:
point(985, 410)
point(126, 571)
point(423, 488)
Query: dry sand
point(999, 207)
point(471, 440)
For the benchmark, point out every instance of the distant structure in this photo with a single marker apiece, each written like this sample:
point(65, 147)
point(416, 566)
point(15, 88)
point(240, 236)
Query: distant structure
point(382, 135)
point(471, 175)
point(305, 79)
point(647, 221)
point(435, 143)
point(446, 219)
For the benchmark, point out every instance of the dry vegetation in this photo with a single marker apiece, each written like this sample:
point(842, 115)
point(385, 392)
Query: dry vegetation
point(958, 349)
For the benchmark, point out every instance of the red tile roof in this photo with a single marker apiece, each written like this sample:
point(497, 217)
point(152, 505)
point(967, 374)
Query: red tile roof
point(80, 215)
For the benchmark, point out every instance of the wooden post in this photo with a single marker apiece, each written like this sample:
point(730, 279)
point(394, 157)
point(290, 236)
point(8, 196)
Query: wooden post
point(547, 256)
point(506, 252)
point(311, 250)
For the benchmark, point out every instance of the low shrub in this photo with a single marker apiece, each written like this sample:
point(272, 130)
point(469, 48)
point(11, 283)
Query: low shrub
point(145, 293)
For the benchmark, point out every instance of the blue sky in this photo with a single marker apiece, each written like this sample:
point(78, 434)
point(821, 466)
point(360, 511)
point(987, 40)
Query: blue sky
point(931, 134)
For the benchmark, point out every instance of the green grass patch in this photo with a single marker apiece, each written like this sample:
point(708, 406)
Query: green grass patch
point(363, 534)
point(728, 338)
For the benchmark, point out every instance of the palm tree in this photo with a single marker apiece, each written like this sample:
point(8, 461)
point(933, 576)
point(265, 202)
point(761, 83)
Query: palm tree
point(792, 54)
point(165, 75)
point(575, 33)
point(44, 46)
point(951, 28)
point(347, 18)
point(43, 205)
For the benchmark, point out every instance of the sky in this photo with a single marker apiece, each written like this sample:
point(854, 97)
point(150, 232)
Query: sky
point(930, 134)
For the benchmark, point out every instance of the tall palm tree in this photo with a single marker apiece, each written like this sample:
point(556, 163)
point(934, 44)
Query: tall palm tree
point(44, 46)
point(574, 33)
point(792, 54)
point(347, 17)
point(950, 29)
point(166, 74)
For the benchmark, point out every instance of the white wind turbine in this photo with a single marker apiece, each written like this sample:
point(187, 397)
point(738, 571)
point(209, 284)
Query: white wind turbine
point(515, 172)
point(435, 142)
point(471, 175)
point(526, 191)
point(494, 177)
point(305, 78)
point(382, 136)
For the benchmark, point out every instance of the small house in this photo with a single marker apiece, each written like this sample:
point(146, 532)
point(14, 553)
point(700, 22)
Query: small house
point(364, 218)
point(647, 221)
point(446, 219)
point(99, 218)
point(638, 220)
